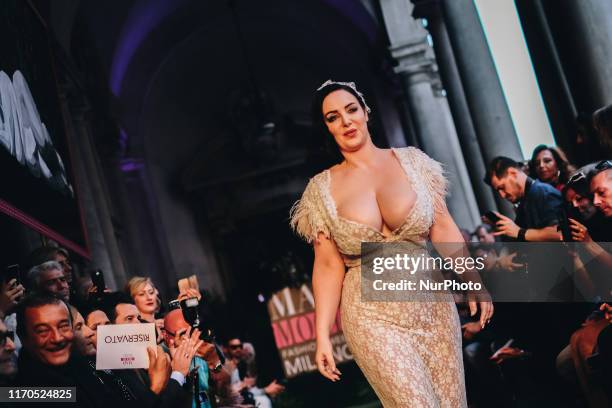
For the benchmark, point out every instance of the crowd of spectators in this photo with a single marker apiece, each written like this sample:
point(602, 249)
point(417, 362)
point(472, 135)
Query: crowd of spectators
point(554, 202)
point(48, 338)
point(49, 319)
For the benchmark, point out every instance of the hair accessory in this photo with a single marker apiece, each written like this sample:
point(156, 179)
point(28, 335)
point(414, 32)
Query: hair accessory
point(350, 85)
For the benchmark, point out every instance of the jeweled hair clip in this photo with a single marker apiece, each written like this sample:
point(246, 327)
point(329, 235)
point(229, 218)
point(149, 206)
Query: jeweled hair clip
point(350, 85)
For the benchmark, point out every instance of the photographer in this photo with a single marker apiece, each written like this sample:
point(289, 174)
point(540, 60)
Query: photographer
point(206, 363)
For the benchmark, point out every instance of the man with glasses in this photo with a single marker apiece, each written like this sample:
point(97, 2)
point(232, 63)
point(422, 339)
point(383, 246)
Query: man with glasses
point(206, 361)
point(8, 355)
point(244, 380)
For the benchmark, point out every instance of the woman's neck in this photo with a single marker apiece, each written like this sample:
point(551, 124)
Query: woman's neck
point(365, 157)
point(149, 317)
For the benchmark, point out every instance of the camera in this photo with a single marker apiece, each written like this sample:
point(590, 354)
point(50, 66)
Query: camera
point(191, 314)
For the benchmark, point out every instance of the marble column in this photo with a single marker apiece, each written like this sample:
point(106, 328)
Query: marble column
point(428, 106)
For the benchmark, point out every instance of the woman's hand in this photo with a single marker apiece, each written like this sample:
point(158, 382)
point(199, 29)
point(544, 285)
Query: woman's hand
point(324, 358)
point(580, 233)
point(486, 309)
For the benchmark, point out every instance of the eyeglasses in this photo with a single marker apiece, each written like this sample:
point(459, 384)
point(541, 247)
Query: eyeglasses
point(604, 165)
point(235, 346)
point(6, 335)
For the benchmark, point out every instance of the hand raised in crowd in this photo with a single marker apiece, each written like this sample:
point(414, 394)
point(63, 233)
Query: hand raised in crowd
point(159, 368)
point(507, 353)
point(506, 262)
point(505, 226)
point(580, 233)
point(607, 309)
point(10, 295)
point(184, 353)
point(189, 293)
point(274, 388)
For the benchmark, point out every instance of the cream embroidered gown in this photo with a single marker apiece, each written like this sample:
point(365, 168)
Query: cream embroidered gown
point(410, 352)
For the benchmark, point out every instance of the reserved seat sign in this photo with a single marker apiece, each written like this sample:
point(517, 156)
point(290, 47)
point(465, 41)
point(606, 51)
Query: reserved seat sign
point(122, 346)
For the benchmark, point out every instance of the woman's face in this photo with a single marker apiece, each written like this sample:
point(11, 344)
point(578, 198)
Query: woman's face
point(346, 120)
point(546, 166)
point(145, 299)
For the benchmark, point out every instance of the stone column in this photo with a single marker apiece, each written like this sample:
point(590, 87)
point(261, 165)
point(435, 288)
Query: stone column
point(460, 111)
point(429, 110)
point(592, 27)
point(94, 198)
point(483, 91)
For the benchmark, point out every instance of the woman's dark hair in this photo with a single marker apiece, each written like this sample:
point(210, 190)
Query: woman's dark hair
point(565, 168)
point(328, 145)
point(602, 122)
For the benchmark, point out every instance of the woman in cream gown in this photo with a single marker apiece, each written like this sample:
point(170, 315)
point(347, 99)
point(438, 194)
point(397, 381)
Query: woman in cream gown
point(410, 352)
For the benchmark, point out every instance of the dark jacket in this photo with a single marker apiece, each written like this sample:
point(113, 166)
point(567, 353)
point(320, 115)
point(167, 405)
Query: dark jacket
point(90, 391)
point(173, 396)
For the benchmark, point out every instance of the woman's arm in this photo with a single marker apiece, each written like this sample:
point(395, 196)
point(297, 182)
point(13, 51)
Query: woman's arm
point(327, 278)
point(448, 241)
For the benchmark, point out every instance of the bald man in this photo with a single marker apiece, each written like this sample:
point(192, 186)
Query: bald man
point(176, 330)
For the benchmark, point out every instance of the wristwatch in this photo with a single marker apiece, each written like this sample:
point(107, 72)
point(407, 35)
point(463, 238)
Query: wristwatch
point(521, 235)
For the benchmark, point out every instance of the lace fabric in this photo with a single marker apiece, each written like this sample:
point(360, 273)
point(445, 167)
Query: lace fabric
point(410, 352)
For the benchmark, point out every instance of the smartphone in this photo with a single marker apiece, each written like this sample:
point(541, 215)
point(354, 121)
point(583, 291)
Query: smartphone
point(508, 344)
point(12, 272)
point(97, 277)
point(564, 226)
point(190, 282)
point(491, 216)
